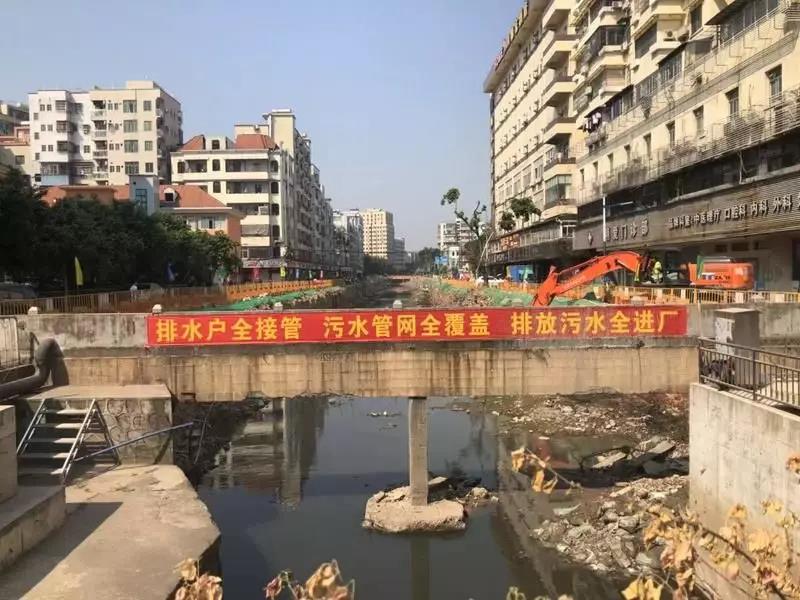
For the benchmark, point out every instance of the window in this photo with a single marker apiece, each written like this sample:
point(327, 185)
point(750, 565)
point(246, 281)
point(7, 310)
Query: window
point(648, 146)
point(276, 209)
point(217, 187)
point(583, 178)
point(273, 166)
point(61, 105)
point(696, 19)
point(44, 127)
point(36, 156)
point(131, 145)
point(775, 80)
point(86, 129)
point(671, 133)
point(62, 146)
point(610, 163)
point(87, 149)
point(131, 168)
point(49, 128)
point(181, 167)
point(627, 154)
point(733, 102)
point(36, 135)
point(699, 125)
point(275, 187)
point(19, 159)
point(148, 146)
point(215, 144)
point(595, 171)
point(147, 125)
point(646, 41)
point(44, 148)
point(557, 188)
point(148, 167)
point(147, 105)
point(258, 188)
point(129, 126)
point(276, 231)
point(744, 17)
point(129, 106)
point(49, 107)
point(215, 165)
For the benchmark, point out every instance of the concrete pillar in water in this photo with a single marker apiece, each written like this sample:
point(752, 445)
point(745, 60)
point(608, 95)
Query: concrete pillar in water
point(418, 450)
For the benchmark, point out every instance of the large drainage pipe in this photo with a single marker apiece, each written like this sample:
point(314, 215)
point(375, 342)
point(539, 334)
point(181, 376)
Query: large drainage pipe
point(43, 361)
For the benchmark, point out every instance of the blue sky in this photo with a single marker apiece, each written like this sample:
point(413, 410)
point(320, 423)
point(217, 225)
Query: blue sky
point(390, 92)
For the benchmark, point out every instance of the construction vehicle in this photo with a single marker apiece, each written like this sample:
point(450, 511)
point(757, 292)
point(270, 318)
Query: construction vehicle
point(717, 273)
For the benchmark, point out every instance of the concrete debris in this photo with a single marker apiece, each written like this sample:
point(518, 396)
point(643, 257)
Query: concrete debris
point(385, 414)
point(606, 461)
point(479, 493)
point(565, 511)
point(393, 512)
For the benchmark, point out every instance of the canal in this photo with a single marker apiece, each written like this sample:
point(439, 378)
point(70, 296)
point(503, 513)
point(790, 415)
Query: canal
point(290, 491)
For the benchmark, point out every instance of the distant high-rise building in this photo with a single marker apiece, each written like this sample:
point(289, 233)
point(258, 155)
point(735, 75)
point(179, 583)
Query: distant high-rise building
point(398, 256)
point(349, 240)
point(378, 233)
point(103, 136)
point(453, 233)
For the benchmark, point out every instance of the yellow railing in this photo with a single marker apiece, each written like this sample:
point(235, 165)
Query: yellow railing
point(626, 294)
point(170, 298)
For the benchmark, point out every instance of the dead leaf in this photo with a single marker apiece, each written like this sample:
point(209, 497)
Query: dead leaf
point(737, 512)
point(538, 481)
point(642, 589)
point(772, 507)
point(732, 569)
point(793, 463)
point(758, 541)
point(683, 551)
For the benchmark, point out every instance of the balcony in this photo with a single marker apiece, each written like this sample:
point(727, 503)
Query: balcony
point(558, 161)
point(98, 115)
point(559, 130)
point(559, 89)
point(558, 51)
point(100, 134)
point(649, 11)
point(100, 154)
point(556, 13)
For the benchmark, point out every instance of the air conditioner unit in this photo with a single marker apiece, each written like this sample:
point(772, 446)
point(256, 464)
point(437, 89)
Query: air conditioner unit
point(669, 35)
point(584, 69)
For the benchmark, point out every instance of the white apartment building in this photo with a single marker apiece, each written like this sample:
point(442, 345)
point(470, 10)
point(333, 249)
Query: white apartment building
point(102, 136)
point(692, 118)
point(455, 233)
point(265, 172)
point(532, 128)
point(378, 233)
point(399, 256)
point(349, 238)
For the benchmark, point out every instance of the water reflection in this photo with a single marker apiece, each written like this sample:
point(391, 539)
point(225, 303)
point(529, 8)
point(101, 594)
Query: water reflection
point(291, 489)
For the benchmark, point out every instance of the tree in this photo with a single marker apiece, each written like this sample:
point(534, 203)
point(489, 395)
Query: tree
point(474, 223)
point(426, 260)
point(374, 265)
point(21, 211)
point(521, 208)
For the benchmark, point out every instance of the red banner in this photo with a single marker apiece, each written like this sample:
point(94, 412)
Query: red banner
point(314, 327)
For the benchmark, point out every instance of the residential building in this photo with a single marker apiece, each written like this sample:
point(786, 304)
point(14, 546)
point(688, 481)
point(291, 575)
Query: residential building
point(102, 136)
point(453, 233)
point(378, 233)
point(532, 128)
point(15, 149)
point(349, 240)
point(196, 207)
point(12, 116)
point(692, 118)
point(398, 256)
point(266, 173)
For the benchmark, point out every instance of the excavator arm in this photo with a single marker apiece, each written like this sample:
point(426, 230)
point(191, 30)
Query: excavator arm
point(560, 282)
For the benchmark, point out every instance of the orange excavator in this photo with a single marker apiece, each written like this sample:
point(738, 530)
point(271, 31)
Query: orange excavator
point(713, 273)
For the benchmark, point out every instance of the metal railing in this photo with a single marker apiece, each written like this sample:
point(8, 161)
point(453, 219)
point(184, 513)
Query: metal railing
point(758, 374)
point(143, 300)
point(691, 295)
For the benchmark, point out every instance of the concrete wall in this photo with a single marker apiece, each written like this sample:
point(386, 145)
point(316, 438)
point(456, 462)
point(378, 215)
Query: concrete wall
point(776, 320)
point(394, 370)
point(738, 455)
point(8, 453)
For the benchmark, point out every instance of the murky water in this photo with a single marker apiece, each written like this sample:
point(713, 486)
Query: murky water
point(290, 493)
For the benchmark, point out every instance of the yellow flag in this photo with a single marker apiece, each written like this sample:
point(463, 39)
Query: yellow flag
point(78, 273)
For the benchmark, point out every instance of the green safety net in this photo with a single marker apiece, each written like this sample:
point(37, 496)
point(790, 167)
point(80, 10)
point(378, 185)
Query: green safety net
point(257, 302)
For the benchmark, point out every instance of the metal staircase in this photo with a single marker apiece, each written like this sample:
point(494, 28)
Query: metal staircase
point(58, 435)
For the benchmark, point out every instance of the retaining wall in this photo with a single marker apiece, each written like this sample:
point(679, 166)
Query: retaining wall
point(738, 455)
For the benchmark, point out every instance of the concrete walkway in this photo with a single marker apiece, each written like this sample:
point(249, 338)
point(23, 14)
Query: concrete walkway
point(125, 531)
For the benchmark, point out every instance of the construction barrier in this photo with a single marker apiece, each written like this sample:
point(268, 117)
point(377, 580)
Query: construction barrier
point(143, 300)
point(660, 295)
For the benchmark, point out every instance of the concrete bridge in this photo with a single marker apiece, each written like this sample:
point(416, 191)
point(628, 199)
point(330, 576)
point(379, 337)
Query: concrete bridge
point(422, 352)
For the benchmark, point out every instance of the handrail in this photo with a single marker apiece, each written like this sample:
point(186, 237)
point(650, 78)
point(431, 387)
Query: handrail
point(137, 301)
